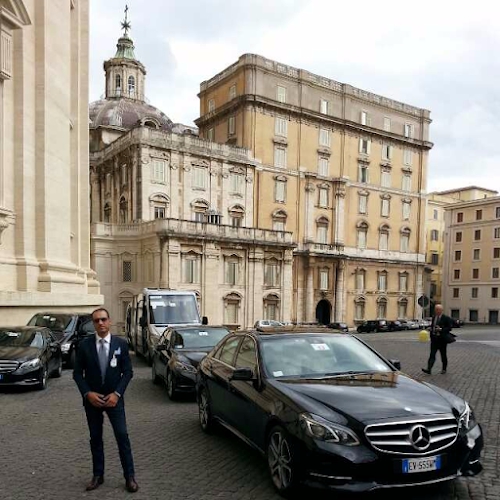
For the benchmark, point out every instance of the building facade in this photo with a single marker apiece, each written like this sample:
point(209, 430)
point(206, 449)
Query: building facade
point(471, 270)
point(44, 208)
point(172, 210)
point(344, 170)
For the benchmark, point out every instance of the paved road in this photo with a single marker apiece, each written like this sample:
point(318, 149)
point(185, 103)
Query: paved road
point(45, 455)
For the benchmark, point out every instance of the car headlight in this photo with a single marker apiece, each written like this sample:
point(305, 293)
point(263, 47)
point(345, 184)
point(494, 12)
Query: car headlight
point(467, 420)
point(28, 366)
point(185, 367)
point(66, 347)
point(323, 430)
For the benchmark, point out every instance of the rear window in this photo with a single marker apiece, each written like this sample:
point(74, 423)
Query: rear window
point(55, 322)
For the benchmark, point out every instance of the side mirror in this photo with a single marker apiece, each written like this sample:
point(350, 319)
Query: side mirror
point(242, 374)
point(204, 320)
point(396, 363)
point(142, 321)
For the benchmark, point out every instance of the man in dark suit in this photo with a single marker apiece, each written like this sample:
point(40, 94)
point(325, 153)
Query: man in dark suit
point(440, 327)
point(102, 372)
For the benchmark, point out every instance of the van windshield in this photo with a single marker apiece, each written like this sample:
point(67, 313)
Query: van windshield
point(173, 310)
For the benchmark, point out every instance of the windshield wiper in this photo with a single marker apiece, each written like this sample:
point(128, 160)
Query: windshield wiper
point(351, 372)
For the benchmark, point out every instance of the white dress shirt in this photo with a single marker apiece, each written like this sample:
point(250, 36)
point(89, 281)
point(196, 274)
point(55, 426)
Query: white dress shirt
point(107, 343)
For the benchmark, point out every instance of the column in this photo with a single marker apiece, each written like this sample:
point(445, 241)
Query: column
point(310, 292)
point(287, 286)
point(339, 213)
point(339, 292)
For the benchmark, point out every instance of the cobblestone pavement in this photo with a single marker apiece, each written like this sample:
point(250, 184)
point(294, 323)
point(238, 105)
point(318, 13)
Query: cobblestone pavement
point(45, 453)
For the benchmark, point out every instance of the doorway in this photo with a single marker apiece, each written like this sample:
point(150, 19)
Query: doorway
point(493, 317)
point(324, 312)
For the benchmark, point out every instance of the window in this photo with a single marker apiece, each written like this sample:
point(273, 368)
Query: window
point(360, 279)
point(247, 356)
point(385, 179)
point(237, 183)
point(280, 191)
point(407, 156)
point(477, 234)
point(497, 212)
point(382, 308)
point(227, 351)
point(434, 259)
point(405, 240)
point(479, 214)
point(200, 209)
point(323, 279)
point(476, 254)
point(362, 173)
point(323, 106)
point(158, 171)
point(232, 309)
point(456, 293)
point(131, 86)
point(280, 156)
point(435, 215)
point(408, 130)
point(403, 282)
point(494, 292)
point(272, 273)
point(383, 242)
point(191, 269)
point(456, 274)
point(434, 235)
point(460, 217)
point(271, 307)
point(494, 273)
point(159, 212)
point(279, 220)
point(458, 237)
point(118, 84)
point(363, 203)
point(362, 235)
point(433, 290)
point(231, 125)
point(236, 215)
point(280, 126)
point(385, 207)
point(211, 105)
point(387, 124)
point(406, 210)
point(360, 309)
point(324, 137)
point(458, 255)
point(386, 152)
point(280, 94)
point(496, 253)
point(474, 293)
point(107, 213)
point(496, 233)
point(402, 309)
point(475, 273)
point(232, 271)
point(323, 166)
point(127, 271)
point(210, 134)
point(382, 281)
point(364, 146)
point(455, 313)
point(322, 231)
point(406, 182)
point(363, 118)
point(473, 315)
point(323, 197)
point(200, 177)
point(123, 210)
point(232, 92)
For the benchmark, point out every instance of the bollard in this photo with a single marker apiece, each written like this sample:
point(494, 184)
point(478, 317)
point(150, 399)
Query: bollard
point(423, 336)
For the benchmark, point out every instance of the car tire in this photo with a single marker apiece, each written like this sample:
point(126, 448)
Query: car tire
point(154, 376)
point(205, 416)
point(282, 462)
point(58, 371)
point(171, 391)
point(44, 376)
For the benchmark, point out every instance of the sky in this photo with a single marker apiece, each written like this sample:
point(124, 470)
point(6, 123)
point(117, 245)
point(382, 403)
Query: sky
point(440, 55)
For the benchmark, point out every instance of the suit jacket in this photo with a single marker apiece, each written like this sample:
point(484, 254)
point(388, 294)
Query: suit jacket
point(87, 372)
point(446, 325)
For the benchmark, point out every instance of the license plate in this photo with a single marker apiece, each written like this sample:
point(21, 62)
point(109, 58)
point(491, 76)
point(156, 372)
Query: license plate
point(426, 464)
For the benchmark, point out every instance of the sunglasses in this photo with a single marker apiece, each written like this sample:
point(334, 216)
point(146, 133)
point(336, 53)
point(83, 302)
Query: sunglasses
point(100, 320)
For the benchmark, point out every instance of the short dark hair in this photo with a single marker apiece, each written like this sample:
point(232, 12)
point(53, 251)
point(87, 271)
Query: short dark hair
point(100, 309)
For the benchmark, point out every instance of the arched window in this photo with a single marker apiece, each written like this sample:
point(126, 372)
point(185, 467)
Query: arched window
point(107, 213)
point(382, 308)
point(382, 281)
point(360, 277)
point(362, 234)
point(131, 86)
point(405, 239)
point(279, 220)
point(232, 269)
point(272, 273)
point(123, 210)
point(272, 307)
point(322, 230)
point(236, 215)
point(403, 308)
point(359, 308)
point(159, 204)
point(200, 209)
point(383, 239)
point(232, 304)
point(118, 84)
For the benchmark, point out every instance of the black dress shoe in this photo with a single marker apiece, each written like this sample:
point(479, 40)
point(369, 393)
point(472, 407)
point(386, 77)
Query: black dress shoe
point(95, 483)
point(425, 370)
point(443, 372)
point(130, 485)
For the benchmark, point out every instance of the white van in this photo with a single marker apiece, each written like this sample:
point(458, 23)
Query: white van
point(152, 311)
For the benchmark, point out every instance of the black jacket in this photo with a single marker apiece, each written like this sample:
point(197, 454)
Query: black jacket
point(87, 372)
point(446, 325)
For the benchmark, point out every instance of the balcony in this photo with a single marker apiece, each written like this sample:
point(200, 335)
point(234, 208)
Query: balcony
point(322, 248)
point(193, 230)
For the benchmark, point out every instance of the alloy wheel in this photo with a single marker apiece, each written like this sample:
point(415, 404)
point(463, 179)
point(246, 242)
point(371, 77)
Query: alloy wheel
point(170, 386)
point(280, 461)
point(43, 378)
point(204, 412)
point(59, 370)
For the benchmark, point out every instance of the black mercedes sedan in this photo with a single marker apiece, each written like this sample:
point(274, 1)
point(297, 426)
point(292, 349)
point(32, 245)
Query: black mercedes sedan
point(328, 410)
point(28, 356)
point(179, 351)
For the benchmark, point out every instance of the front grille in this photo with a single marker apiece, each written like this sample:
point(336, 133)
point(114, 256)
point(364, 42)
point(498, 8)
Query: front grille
point(7, 366)
point(413, 437)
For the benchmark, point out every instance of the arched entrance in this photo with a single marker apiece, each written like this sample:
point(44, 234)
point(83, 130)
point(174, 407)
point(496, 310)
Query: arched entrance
point(323, 312)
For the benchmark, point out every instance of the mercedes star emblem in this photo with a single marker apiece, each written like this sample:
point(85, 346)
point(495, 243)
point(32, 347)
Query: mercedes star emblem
point(420, 437)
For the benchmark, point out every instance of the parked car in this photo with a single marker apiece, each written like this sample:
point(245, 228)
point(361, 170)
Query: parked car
point(178, 352)
point(396, 326)
point(326, 408)
point(457, 323)
point(69, 329)
point(267, 323)
point(415, 324)
point(377, 325)
point(28, 356)
point(339, 326)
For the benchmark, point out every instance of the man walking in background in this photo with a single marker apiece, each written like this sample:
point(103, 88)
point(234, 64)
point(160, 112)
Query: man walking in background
point(102, 372)
point(440, 329)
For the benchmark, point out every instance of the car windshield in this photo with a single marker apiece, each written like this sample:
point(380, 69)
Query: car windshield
point(199, 338)
point(13, 338)
point(318, 356)
point(173, 309)
point(55, 322)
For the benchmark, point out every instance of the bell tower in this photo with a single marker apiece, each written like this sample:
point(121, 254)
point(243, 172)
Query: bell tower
point(125, 75)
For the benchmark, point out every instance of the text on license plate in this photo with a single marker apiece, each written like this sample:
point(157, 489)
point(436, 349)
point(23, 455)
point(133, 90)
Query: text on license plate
point(421, 464)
